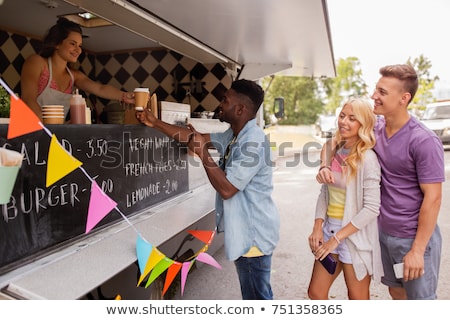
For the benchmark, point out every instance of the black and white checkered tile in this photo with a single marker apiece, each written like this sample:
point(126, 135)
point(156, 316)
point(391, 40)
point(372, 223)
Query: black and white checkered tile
point(170, 75)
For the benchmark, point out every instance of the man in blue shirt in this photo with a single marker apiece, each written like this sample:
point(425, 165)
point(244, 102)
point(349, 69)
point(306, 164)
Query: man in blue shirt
point(245, 210)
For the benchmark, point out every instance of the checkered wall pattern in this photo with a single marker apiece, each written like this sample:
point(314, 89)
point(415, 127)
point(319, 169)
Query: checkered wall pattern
point(170, 75)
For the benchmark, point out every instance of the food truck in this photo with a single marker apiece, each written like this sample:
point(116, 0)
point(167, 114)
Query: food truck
point(153, 191)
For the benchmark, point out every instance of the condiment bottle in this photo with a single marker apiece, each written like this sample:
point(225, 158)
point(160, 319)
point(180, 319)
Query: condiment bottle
point(77, 109)
point(88, 112)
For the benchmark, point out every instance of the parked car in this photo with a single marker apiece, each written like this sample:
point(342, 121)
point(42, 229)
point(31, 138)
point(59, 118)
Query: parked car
point(326, 125)
point(437, 118)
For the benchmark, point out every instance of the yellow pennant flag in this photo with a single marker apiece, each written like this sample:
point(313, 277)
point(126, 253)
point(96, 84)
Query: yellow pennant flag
point(60, 163)
point(155, 257)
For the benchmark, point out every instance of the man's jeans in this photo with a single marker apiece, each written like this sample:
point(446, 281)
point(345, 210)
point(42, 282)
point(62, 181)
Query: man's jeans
point(254, 277)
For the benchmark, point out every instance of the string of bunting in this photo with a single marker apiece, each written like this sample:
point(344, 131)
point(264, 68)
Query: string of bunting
point(152, 262)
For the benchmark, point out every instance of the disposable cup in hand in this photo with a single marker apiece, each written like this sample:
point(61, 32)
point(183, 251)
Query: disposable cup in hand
point(10, 163)
point(141, 96)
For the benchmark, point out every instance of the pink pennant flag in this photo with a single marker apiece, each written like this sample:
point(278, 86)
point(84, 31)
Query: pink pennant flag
point(205, 236)
point(206, 258)
point(99, 206)
point(184, 273)
point(22, 119)
point(143, 250)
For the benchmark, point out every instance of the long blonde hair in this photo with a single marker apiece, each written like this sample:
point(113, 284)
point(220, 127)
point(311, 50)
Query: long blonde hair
point(363, 112)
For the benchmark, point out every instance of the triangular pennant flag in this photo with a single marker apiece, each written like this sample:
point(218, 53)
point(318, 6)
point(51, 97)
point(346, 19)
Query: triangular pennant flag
point(203, 249)
point(60, 163)
point(184, 273)
point(22, 119)
point(158, 269)
point(155, 257)
point(143, 250)
point(203, 235)
point(99, 206)
point(171, 274)
point(206, 258)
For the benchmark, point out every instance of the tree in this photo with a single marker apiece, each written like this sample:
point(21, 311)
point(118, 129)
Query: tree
point(348, 82)
point(424, 94)
point(301, 99)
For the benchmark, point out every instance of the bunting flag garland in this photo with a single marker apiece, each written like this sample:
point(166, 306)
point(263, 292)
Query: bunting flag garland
point(22, 119)
point(151, 261)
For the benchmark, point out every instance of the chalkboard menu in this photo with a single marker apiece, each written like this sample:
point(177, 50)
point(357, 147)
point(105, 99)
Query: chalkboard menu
point(134, 165)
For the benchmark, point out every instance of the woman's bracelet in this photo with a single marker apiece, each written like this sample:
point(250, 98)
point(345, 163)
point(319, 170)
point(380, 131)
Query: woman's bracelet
point(336, 238)
point(323, 167)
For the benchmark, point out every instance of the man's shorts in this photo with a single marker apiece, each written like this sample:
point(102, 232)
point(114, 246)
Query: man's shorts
point(393, 249)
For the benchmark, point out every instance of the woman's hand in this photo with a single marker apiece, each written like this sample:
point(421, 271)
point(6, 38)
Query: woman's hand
point(325, 175)
point(315, 239)
point(322, 251)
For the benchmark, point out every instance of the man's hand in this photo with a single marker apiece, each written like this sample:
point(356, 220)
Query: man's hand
point(146, 117)
point(197, 143)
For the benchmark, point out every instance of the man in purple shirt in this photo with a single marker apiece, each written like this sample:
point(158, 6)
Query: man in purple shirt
point(412, 170)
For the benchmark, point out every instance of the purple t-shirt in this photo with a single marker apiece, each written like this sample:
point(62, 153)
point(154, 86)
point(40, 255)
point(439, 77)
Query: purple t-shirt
point(411, 156)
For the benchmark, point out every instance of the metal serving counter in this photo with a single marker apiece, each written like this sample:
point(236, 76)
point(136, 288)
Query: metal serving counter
point(72, 268)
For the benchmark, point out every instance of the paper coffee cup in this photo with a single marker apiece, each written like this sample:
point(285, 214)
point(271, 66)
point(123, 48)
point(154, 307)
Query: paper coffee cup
point(141, 96)
point(53, 119)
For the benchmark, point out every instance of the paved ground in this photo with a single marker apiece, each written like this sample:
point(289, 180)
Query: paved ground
point(292, 260)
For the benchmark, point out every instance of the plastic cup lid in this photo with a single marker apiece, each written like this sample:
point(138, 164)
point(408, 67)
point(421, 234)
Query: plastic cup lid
point(141, 90)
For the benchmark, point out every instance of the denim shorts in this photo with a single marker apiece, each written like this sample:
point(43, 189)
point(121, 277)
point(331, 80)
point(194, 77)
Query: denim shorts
point(330, 227)
point(393, 249)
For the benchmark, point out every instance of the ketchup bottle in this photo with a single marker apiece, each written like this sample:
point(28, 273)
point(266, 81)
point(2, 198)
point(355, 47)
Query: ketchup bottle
point(77, 109)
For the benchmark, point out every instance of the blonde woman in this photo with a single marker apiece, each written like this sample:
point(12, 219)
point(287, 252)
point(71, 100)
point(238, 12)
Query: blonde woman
point(347, 209)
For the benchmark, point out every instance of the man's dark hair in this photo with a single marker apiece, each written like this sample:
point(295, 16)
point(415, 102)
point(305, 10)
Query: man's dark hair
point(251, 90)
point(56, 34)
point(405, 73)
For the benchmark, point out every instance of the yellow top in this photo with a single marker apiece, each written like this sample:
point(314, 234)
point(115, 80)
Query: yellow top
point(253, 252)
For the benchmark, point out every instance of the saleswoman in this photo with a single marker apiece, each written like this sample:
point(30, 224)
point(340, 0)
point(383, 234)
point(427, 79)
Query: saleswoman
point(47, 79)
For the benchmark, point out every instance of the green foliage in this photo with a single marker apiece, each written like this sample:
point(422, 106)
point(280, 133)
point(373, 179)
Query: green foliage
point(306, 98)
point(424, 95)
point(301, 99)
point(4, 103)
point(348, 82)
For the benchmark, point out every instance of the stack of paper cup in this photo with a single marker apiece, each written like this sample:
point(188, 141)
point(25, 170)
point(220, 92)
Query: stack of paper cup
point(53, 114)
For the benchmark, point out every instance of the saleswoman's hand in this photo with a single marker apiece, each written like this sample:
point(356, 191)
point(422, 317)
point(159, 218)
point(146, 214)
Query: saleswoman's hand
point(128, 97)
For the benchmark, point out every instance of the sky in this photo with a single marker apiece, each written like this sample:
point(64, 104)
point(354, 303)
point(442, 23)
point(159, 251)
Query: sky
point(384, 32)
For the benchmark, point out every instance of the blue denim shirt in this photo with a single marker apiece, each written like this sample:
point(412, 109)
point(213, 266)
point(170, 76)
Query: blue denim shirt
point(250, 217)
